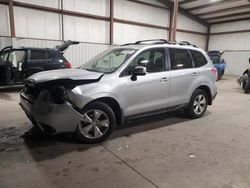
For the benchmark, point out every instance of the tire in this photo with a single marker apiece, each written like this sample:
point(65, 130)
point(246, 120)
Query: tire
point(243, 84)
point(97, 124)
point(247, 86)
point(197, 111)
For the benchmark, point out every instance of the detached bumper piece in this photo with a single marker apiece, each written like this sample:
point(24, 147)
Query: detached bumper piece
point(50, 117)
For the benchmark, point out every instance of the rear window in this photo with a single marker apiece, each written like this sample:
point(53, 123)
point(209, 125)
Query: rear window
point(199, 58)
point(37, 55)
point(180, 59)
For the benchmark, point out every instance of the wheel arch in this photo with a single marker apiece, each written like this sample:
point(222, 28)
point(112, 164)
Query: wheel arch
point(114, 105)
point(208, 91)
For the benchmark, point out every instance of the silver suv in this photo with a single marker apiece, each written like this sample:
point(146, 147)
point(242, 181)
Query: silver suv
point(125, 82)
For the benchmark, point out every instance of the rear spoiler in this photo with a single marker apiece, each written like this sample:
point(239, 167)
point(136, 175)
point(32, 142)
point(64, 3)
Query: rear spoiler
point(63, 47)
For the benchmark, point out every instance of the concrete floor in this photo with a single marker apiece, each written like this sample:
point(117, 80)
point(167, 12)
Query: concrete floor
point(167, 150)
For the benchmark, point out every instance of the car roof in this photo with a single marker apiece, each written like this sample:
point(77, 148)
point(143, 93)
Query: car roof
point(144, 46)
point(161, 43)
point(32, 48)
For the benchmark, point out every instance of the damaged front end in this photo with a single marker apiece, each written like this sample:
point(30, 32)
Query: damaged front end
point(48, 104)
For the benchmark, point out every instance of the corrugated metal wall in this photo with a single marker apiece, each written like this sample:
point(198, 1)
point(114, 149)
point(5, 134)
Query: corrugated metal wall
point(127, 10)
point(236, 45)
point(5, 41)
point(4, 21)
point(37, 28)
point(186, 23)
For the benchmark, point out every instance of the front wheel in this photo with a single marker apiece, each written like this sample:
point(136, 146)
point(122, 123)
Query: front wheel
point(198, 104)
point(96, 123)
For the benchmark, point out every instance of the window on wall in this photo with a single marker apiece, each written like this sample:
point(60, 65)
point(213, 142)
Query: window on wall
point(152, 59)
point(37, 55)
point(180, 59)
point(198, 58)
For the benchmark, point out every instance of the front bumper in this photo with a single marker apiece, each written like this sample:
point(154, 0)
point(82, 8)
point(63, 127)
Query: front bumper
point(50, 117)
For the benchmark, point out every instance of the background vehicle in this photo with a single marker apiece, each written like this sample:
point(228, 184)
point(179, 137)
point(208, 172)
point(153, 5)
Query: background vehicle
point(244, 80)
point(218, 61)
point(16, 64)
point(126, 82)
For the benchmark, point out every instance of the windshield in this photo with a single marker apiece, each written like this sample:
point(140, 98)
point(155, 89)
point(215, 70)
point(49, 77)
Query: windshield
point(109, 61)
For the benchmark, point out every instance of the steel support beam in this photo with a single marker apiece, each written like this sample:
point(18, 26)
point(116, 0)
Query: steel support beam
point(208, 37)
point(12, 21)
point(174, 21)
point(111, 23)
point(62, 20)
point(170, 23)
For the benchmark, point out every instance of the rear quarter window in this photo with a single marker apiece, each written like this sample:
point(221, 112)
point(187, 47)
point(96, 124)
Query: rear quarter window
point(37, 55)
point(198, 58)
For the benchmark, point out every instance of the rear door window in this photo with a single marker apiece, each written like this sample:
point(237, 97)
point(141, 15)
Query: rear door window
point(198, 58)
point(37, 55)
point(180, 59)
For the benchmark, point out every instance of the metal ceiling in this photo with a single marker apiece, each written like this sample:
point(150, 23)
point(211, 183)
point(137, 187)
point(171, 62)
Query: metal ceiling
point(215, 11)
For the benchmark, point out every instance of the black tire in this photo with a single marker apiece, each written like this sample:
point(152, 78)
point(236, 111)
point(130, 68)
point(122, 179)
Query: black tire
point(247, 86)
point(190, 111)
point(243, 84)
point(99, 106)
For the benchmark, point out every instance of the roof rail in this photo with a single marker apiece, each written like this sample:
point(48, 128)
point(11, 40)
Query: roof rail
point(160, 41)
point(187, 43)
point(151, 41)
point(157, 41)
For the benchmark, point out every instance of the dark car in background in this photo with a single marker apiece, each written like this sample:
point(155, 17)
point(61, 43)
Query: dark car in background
point(218, 61)
point(17, 64)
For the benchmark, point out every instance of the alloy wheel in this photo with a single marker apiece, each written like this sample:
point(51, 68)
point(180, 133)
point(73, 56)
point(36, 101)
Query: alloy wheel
point(200, 103)
point(94, 124)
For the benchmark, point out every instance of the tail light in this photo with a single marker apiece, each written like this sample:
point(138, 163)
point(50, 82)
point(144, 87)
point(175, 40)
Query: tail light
point(68, 64)
point(214, 72)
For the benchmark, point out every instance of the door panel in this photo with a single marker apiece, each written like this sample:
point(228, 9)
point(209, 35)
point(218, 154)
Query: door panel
point(151, 91)
point(180, 83)
point(182, 76)
point(148, 93)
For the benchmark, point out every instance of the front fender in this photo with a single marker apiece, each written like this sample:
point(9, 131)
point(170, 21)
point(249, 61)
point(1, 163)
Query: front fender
point(81, 99)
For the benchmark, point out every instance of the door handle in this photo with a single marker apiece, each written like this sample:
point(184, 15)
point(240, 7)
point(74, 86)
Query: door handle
point(194, 74)
point(164, 79)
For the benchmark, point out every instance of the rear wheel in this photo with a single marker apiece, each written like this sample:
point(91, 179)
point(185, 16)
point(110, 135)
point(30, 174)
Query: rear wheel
point(247, 85)
point(97, 123)
point(198, 104)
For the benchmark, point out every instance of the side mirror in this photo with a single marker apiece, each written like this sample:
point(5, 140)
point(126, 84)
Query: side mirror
point(138, 71)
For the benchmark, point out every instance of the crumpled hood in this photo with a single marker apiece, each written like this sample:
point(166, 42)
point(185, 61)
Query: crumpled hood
point(61, 74)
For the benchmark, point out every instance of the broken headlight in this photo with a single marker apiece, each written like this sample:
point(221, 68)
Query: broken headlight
point(57, 94)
